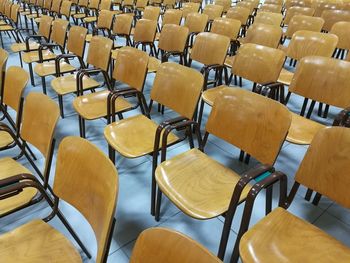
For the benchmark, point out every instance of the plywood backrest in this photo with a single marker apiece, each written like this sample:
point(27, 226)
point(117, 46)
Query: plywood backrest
point(258, 63)
point(66, 8)
point(178, 88)
point(145, 30)
point(122, 24)
point(99, 53)
point(76, 40)
point(59, 31)
point(159, 245)
point(226, 27)
point(326, 163)
point(213, 11)
point(226, 4)
point(3, 62)
point(271, 8)
point(196, 22)
point(297, 10)
point(87, 179)
point(16, 79)
point(172, 16)
point(105, 19)
point(188, 8)
point(254, 123)
point(40, 115)
point(45, 26)
point(268, 18)
point(265, 35)
point(151, 13)
point(173, 38)
point(210, 48)
point(239, 13)
point(333, 16)
point(302, 22)
point(105, 5)
point(56, 5)
point(246, 4)
point(342, 31)
point(323, 79)
point(131, 67)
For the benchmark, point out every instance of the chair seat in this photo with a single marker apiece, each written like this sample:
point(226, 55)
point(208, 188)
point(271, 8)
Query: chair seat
point(6, 28)
point(229, 61)
point(134, 137)
point(18, 47)
point(68, 84)
point(33, 56)
point(5, 139)
point(49, 68)
point(94, 105)
point(2, 22)
point(283, 237)
point(200, 186)
point(90, 19)
point(8, 168)
point(210, 95)
point(302, 130)
point(116, 12)
point(36, 241)
point(88, 37)
point(31, 16)
point(79, 15)
point(285, 77)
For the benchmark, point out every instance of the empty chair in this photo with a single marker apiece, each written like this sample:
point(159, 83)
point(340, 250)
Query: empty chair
point(277, 236)
point(104, 24)
point(241, 14)
point(342, 31)
point(333, 16)
point(172, 16)
point(122, 28)
point(263, 34)
point(297, 10)
point(195, 23)
point(322, 6)
point(213, 11)
point(318, 79)
point(188, 8)
point(268, 18)
point(151, 13)
point(159, 245)
point(144, 35)
point(85, 179)
point(201, 187)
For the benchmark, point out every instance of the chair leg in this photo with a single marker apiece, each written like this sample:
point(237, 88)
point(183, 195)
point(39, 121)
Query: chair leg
point(31, 74)
point(44, 85)
point(308, 194)
point(60, 103)
point(82, 127)
point(200, 114)
point(111, 153)
point(317, 199)
point(268, 200)
point(158, 204)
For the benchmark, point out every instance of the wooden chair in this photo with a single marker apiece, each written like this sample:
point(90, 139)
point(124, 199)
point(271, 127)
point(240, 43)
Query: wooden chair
point(271, 8)
point(3, 62)
point(65, 10)
point(307, 43)
point(122, 28)
point(292, 3)
point(11, 26)
point(251, 7)
point(342, 31)
point(196, 23)
point(213, 11)
point(55, 8)
point(172, 16)
point(38, 130)
point(297, 10)
point(277, 236)
point(104, 24)
point(104, 5)
point(85, 179)
point(227, 27)
point(130, 68)
point(188, 8)
point(258, 64)
point(312, 73)
point(175, 86)
point(46, 57)
point(158, 245)
point(333, 16)
point(210, 49)
point(268, 18)
point(88, 8)
point(322, 6)
point(241, 14)
point(144, 35)
point(151, 13)
point(203, 188)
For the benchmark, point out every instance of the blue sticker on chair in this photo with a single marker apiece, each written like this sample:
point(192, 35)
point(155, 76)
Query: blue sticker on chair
point(262, 176)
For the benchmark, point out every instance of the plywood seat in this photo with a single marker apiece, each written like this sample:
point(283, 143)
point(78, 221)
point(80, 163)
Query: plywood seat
point(117, 12)
point(282, 233)
point(37, 241)
point(302, 130)
point(68, 84)
point(33, 56)
point(94, 105)
point(210, 95)
point(37, 20)
point(49, 68)
point(134, 137)
point(5, 139)
point(18, 47)
point(31, 16)
point(203, 188)
point(79, 15)
point(6, 28)
point(229, 61)
point(8, 168)
point(2, 22)
point(90, 19)
point(285, 77)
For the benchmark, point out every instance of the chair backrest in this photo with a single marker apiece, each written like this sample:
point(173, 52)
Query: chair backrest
point(131, 67)
point(145, 30)
point(239, 13)
point(47, 4)
point(291, 3)
point(178, 88)
point(56, 5)
point(333, 16)
point(308, 43)
point(265, 35)
point(188, 8)
point(45, 26)
point(226, 27)
point(16, 80)
point(83, 3)
point(226, 4)
point(76, 40)
point(297, 10)
point(151, 13)
point(246, 4)
point(93, 4)
point(158, 245)
point(59, 31)
point(268, 18)
point(3, 62)
point(15, 12)
point(271, 8)
point(323, 79)
point(258, 64)
point(263, 123)
point(320, 7)
point(213, 11)
point(342, 31)
point(87, 179)
point(172, 16)
point(105, 19)
point(196, 22)
point(302, 22)
point(122, 24)
point(66, 8)
point(274, 2)
point(99, 52)
point(210, 48)
point(105, 5)
point(140, 4)
point(7, 9)
point(40, 116)
point(325, 162)
point(173, 38)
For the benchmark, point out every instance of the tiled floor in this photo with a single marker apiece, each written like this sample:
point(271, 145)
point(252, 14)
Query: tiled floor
point(134, 194)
